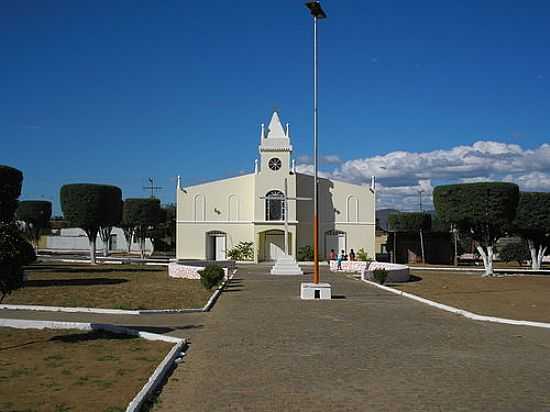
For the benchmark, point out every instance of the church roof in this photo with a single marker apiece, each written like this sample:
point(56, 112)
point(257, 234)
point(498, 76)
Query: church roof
point(275, 129)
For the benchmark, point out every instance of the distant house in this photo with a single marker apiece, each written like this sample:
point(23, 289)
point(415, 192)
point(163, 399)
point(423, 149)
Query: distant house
point(75, 240)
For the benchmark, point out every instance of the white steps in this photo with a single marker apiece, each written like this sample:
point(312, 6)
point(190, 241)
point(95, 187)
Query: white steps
point(286, 265)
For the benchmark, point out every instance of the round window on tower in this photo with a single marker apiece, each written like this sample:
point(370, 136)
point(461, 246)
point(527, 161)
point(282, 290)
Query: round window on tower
point(275, 164)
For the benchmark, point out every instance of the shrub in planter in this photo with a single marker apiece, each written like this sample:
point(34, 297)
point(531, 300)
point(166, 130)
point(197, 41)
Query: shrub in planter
point(305, 253)
point(363, 256)
point(380, 275)
point(242, 251)
point(211, 275)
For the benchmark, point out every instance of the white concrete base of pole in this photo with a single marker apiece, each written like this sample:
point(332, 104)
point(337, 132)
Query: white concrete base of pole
point(313, 291)
point(286, 265)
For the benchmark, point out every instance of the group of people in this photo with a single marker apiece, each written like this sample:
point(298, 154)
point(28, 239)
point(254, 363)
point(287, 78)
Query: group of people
point(341, 256)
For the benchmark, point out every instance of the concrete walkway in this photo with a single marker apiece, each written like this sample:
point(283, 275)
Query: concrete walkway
point(262, 349)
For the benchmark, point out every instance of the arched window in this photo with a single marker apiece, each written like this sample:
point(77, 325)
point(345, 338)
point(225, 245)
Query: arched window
point(200, 208)
point(352, 210)
point(274, 205)
point(233, 213)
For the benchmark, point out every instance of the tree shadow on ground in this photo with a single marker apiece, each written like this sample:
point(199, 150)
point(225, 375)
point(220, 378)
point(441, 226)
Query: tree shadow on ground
point(92, 335)
point(22, 345)
point(162, 329)
point(413, 278)
point(44, 283)
point(88, 269)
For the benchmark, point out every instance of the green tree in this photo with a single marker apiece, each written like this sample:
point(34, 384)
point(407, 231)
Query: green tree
point(142, 215)
point(36, 215)
point(113, 218)
point(412, 222)
point(11, 181)
point(481, 210)
point(532, 223)
point(89, 207)
point(163, 235)
point(514, 251)
point(15, 252)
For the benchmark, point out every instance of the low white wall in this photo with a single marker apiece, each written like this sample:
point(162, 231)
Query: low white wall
point(396, 272)
point(357, 266)
point(75, 239)
point(177, 270)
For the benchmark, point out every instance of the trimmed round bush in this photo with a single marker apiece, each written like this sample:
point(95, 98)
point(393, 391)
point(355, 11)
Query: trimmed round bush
point(211, 275)
point(472, 204)
point(410, 222)
point(141, 212)
point(90, 206)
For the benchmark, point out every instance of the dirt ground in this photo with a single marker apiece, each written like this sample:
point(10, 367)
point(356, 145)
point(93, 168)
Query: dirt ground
point(108, 286)
point(514, 297)
point(72, 370)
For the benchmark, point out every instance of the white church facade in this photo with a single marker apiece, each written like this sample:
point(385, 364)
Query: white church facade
point(213, 217)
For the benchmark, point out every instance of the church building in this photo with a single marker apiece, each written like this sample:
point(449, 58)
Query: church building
point(213, 217)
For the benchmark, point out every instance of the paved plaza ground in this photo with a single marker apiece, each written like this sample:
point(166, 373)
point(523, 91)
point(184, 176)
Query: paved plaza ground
point(263, 349)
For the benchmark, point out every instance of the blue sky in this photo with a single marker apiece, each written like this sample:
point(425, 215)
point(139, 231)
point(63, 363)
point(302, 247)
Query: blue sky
point(111, 92)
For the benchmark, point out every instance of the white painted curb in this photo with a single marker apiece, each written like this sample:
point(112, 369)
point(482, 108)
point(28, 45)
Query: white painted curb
point(154, 380)
point(457, 311)
point(477, 269)
point(103, 311)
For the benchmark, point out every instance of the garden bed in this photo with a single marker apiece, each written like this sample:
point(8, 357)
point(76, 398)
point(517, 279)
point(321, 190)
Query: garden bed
point(130, 287)
point(73, 370)
point(513, 297)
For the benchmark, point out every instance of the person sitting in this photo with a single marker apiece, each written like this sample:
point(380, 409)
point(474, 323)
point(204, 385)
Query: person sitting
point(351, 255)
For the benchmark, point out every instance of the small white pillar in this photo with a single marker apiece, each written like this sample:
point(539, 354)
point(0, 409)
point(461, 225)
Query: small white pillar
point(179, 183)
point(256, 166)
point(262, 133)
point(313, 291)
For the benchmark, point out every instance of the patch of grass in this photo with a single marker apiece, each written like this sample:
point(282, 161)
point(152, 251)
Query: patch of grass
point(514, 297)
point(79, 370)
point(127, 287)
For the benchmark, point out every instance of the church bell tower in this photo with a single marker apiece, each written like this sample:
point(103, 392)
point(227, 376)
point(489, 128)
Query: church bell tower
point(275, 148)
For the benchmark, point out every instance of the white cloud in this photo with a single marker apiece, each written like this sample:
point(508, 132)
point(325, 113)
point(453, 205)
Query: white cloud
point(532, 182)
point(401, 174)
point(331, 159)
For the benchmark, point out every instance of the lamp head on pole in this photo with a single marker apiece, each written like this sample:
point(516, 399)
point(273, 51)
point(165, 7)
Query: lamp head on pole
point(316, 10)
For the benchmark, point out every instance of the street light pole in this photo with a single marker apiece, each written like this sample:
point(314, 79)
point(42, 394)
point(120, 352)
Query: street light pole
point(317, 13)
